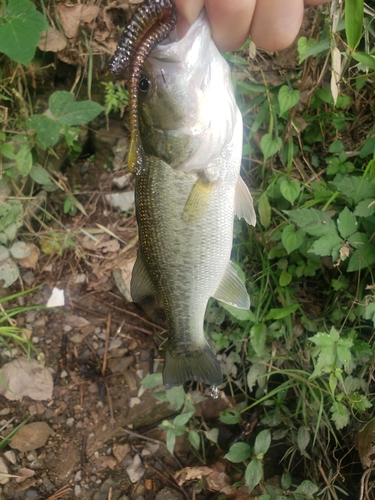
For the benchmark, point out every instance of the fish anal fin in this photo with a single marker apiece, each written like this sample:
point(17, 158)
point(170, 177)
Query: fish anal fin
point(231, 290)
point(201, 366)
point(244, 206)
point(198, 200)
point(141, 285)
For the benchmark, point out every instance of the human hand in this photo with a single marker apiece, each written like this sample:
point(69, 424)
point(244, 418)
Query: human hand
point(271, 24)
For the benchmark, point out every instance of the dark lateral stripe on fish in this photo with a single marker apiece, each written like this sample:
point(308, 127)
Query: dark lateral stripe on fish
point(151, 12)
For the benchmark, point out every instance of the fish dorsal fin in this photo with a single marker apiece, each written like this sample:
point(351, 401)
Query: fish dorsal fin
point(198, 200)
point(141, 285)
point(231, 290)
point(244, 207)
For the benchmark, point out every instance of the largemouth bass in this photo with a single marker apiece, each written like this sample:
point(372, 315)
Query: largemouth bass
point(188, 189)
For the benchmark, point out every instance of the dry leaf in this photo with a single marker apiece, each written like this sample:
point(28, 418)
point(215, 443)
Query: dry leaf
point(365, 444)
point(52, 40)
point(336, 73)
point(71, 16)
point(25, 377)
point(109, 246)
point(32, 259)
point(23, 474)
point(219, 481)
point(76, 321)
point(191, 473)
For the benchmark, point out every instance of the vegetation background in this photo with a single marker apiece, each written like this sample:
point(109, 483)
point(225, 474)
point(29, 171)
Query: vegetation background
point(300, 362)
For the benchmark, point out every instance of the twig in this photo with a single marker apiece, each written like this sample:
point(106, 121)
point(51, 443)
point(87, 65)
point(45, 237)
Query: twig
point(60, 493)
point(140, 436)
point(329, 486)
point(173, 483)
point(364, 482)
point(107, 333)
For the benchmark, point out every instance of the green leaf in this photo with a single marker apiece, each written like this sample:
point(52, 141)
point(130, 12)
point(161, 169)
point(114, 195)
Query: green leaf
point(336, 147)
point(70, 112)
point(353, 22)
point(183, 418)
point(292, 238)
point(344, 354)
point(176, 396)
point(312, 221)
point(307, 48)
point(328, 244)
point(240, 314)
point(286, 480)
point(285, 278)
point(253, 474)
point(287, 98)
point(307, 488)
point(230, 417)
point(20, 33)
point(281, 312)
point(194, 439)
point(363, 257)
point(290, 190)
point(340, 415)
point(355, 187)
point(258, 334)
point(171, 441)
point(24, 160)
point(253, 375)
point(368, 147)
point(303, 438)
point(41, 176)
point(152, 380)
point(47, 130)
point(262, 443)
point(264, 209)
point(9, 273)
point(212, 434)
point(238, 452)
point(346, 223)
point(322, 339)
point(270, 145)
point(365, 208)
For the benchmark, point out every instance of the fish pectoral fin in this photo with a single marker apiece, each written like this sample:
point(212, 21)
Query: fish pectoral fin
point(231, 290)
point(198, 200)
point(141, 285)
point(244, 206)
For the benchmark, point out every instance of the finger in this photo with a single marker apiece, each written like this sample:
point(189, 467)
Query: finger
point(315, 2)
point(188, 12)
point(276, 23)
point(230, 21)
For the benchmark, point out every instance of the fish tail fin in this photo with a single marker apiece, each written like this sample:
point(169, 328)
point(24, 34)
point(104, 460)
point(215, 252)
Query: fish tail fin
point(201, 366)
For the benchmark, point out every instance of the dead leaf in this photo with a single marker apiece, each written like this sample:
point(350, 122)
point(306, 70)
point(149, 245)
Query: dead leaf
point(219, 481)
point(106, 462)
point(32, 259)
point(23, 474)
point(191, 473)
point(135, 470)
point(25, 377)
point(52, 40)
point(76, 321)
point(365, 444)
point(71, 16)
point(109, 246)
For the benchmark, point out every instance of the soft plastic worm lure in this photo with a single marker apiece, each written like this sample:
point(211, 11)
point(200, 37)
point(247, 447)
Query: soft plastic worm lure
point(151, 24)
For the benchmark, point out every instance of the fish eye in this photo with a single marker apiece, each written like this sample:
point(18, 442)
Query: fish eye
point(144, 85)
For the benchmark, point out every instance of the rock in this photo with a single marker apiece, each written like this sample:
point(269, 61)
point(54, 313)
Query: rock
point(70, 422)
point(11, 457)
point(4, 411)
point(25, 377)
point(121, 182)
point(78, 476)
point(103, 491)
point(120, 451)
point(135, 470)
point(115, 344)
point(121, 201)
point(77, 490)
point(31, 437)
point(168, 493)
point(77, 338)
point(3, 470)
point(36, 409)
point(28, 278)
point(118, 365)
point(48, 484)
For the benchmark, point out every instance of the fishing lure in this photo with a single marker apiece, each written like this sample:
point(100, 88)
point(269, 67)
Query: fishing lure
point(151, 24)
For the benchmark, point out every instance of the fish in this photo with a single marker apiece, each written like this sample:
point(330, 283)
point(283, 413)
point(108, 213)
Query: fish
point(188, 189)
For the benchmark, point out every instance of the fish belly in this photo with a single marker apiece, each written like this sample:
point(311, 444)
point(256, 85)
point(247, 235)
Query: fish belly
point(186, 260)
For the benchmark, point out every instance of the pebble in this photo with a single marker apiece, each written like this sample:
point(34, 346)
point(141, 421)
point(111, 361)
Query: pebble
point(77, 338)
point(93, 388)
point(30, 316)
point(118, 365)
point(67, 328)
point(98, 330)
point(95, 345)
point(49, 413)
point(35, 340)
point(31, 494)
point(168, 493)
point(5, 411)
point(70, 422)
point(11, 457)
point(48, 484)
point(122, 201)
point(80, 279)
point(122, 181)
point(63, 374)
point(40, 322)
point(77, 490)
point(28, 278)
point(31, 456)
point(115, 344)
point(78, 476)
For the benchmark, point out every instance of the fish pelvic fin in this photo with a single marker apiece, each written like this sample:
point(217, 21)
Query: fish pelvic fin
point(198, 200)
point(200, 365)
point(244, 206)
point(231, 290)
